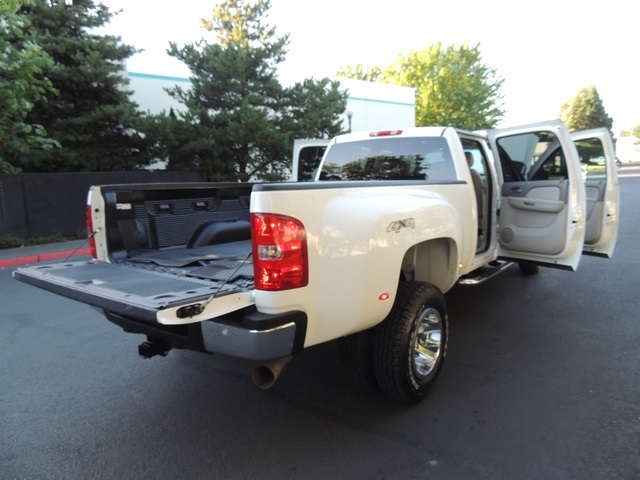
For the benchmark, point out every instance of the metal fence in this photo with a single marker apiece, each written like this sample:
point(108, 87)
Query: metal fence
point(40, 204)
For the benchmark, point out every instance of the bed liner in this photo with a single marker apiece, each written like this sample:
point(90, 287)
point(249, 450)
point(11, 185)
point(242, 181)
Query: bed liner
point(149, 281)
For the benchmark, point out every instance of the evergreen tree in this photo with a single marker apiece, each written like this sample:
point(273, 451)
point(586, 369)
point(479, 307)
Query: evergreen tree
point(453, 86)
point(92, 117)
point(585, 111)
point(21, 84)
point(240, 121)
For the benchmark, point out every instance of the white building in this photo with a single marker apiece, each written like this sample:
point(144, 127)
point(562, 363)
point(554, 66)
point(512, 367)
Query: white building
point(378, 106)
point(370, 106)
point(149, 91)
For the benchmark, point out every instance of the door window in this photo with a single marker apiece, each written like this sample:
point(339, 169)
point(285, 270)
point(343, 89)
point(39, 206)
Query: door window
point(532, 156)
point(309, 160)
point(592, 159)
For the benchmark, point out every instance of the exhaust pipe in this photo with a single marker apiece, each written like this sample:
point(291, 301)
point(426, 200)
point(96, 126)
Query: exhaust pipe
point(264, 376)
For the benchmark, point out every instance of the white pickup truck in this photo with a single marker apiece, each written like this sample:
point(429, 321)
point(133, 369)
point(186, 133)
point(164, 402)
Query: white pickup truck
point(363, 254)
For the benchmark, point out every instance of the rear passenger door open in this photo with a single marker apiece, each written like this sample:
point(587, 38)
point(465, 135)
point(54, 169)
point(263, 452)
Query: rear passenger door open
point(542, 209)
point(597, 156)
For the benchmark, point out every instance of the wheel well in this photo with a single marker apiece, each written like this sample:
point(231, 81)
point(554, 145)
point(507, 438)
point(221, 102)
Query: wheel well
point(433, 261)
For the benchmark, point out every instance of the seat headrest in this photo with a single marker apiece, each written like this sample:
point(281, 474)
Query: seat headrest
point(469, 158)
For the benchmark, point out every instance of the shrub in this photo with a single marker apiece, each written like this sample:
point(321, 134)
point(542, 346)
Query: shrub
point(9, 241)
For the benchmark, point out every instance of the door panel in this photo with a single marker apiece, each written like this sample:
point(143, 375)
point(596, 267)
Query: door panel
point(597, 156)
point(595, 205)
point(533, 217)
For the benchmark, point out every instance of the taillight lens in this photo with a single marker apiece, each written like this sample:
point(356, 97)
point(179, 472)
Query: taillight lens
point(279, 246)
point(92, 239)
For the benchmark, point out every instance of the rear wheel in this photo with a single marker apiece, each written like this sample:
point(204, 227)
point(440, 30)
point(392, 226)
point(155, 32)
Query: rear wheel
point(411, 343)
point(356, 358)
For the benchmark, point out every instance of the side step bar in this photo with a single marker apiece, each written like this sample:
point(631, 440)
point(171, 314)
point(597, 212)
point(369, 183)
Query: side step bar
point(485, 273)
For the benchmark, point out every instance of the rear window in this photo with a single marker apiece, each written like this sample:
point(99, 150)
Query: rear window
point(424, 158)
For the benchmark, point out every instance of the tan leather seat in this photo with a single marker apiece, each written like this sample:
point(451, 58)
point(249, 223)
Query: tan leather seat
point(478, 185)
point(479, 188)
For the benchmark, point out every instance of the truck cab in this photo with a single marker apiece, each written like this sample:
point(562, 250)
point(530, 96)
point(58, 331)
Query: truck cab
point(531, 204)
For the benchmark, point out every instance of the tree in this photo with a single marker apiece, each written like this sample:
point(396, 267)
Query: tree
point(635, 132)
point(312, 108)
point(22, 83)
point(92, 117)
point(585, 111)
point(453, 85)
point(240, 121)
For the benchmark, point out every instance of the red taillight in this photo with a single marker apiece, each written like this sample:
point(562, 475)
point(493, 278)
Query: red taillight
point(279, 246)
point(92, 240)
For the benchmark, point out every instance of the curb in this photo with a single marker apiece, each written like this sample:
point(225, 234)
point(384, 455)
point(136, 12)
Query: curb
point(44, 257)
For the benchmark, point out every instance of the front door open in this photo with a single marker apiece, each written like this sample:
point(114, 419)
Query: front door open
point(542, 209)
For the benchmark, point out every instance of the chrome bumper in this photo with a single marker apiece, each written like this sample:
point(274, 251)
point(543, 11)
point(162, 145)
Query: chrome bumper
point(260, 345)
point(254, 336)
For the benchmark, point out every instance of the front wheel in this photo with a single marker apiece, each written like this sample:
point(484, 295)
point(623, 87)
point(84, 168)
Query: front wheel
point(411, 343)
point(528, 268)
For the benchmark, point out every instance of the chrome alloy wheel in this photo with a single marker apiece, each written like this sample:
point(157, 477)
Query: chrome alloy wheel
point(426, 342)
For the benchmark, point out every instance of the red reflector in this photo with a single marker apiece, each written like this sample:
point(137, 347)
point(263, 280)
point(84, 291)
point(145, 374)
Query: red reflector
point(279, 245)
point(385, 133)
point(384, 296)
point(92, 240)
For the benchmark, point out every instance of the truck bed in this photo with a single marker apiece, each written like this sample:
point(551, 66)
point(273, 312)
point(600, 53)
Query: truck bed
point(168, 245)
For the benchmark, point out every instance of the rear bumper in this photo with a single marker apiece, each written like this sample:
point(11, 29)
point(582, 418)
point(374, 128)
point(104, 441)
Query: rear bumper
point(252, 335)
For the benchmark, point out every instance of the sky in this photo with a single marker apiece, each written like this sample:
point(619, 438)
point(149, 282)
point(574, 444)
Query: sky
point(546, 51)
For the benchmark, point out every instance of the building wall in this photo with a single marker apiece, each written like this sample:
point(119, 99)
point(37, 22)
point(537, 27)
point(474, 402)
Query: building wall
point(374, 106)
point(378, 106)
point(149, 92)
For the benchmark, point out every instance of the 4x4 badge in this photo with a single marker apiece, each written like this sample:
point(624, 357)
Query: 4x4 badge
point(400, 224)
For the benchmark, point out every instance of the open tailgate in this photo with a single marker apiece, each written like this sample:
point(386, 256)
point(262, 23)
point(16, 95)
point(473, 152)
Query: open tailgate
point(142, 293)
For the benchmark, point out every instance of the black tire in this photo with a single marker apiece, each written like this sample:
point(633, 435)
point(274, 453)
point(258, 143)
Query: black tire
point(406, 365)
point(356, 358)
point(528, 268)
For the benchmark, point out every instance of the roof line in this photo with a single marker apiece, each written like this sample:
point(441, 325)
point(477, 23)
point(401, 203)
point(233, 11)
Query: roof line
point(362, 99)
point(159, 77)
point(152, 76)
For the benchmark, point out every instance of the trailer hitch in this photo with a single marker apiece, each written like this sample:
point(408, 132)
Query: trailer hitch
point(152, 347)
